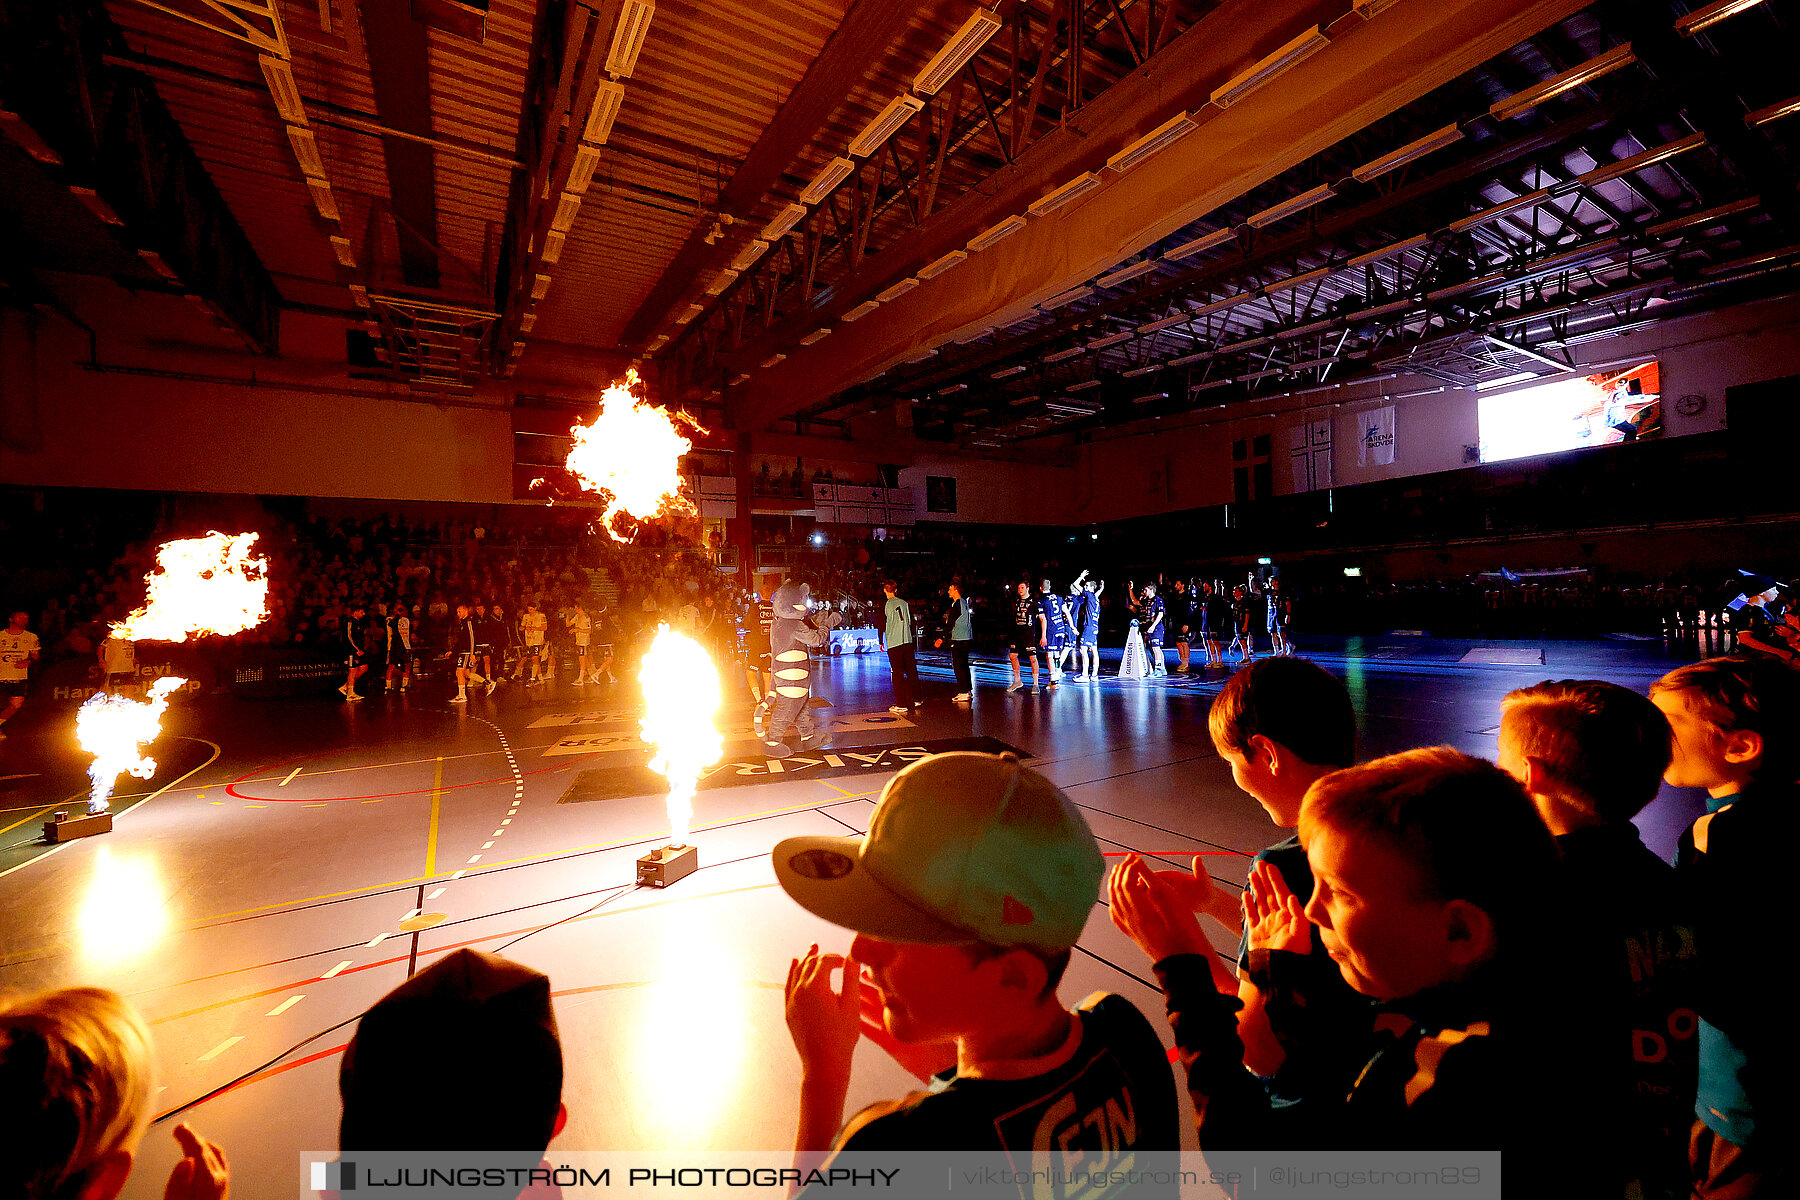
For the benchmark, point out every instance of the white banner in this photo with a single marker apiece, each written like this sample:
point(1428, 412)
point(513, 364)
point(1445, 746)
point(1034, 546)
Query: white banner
point(1375, 438)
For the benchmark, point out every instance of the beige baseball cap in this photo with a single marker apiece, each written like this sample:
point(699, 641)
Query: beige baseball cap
point(963, 847)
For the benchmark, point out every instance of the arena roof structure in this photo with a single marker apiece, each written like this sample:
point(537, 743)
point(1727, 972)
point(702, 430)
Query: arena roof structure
point(1022, 220)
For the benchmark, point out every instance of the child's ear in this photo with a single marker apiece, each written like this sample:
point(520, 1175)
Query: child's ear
point(1743, 747)
point(1264, 750)
point(1470, 937)
point(1023, 972)
point(1537, 776)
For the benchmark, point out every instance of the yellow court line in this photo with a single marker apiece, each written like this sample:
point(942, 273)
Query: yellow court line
point(123, 812)
point(437, 795)
point(513, 862)
point(40, 812)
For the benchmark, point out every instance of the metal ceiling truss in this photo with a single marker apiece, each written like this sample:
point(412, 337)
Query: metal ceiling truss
point(1528, 250)
point(108, 136)
point(570, 104)
point(1031, 77)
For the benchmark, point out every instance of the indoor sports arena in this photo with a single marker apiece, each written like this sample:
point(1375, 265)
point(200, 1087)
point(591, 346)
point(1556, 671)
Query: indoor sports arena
point(626, 583)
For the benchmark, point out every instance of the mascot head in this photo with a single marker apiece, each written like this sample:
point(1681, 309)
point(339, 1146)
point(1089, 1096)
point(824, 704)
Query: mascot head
point(792, 601)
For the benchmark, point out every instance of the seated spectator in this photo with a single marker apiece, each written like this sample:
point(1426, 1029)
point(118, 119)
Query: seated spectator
point(966, 896)
point(75, 1090)
point(474, 1032)
point(1591, 755)
point(1735, 722)
point(1434, 882)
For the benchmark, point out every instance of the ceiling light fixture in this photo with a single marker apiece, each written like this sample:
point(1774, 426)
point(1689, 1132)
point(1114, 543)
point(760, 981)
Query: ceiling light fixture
point(1247, 81)
point(1411, 152)
point(1062, 355)
point(1068, 297)
point(749, 254)
point(323, 199)
point(898, 290)
point(1290, 206)
point(1083, 386)
point(1101, 343)
point(1576, 76)
point(581, 172)
point(1160, 138)
point(785, 220)
point(1126, 274)
point(1205, 241)
point(898, 112)
point(817, 335)
point(862, 310)
point(628, 37)
point(994, 233)
point(1165, 323)
point(1637, 162)
point(773, 359)
point(1065, 195)
point(829, 176)
point(938, 266)
point(1143, 370)
point(1773, 112)
point(553, 246)
point(607, 101)
point(1008, 372)
point(689, 313)
point(306, 152)
point(1490, 384)
point(961, 47)
point(722, 281)
point(282, 89)
point(1688, 24)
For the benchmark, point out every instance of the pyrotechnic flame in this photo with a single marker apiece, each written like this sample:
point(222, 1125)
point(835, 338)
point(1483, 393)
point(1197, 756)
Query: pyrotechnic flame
point(201, 585)
point(632, 453)
point(114, 729)
point(681, 694)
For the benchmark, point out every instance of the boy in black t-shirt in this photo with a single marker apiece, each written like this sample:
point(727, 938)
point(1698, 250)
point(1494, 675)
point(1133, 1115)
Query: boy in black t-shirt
point(1591, 755)
point(967, 894)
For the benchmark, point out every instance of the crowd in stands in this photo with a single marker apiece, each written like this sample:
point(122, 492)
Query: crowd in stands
point(1443, 954)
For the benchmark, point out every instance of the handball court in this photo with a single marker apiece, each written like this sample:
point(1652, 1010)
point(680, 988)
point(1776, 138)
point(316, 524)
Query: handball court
point(291, 861)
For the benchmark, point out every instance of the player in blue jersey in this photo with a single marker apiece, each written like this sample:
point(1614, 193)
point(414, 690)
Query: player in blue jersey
point(1053, 630)
point(1090, 629)
point(1154, 617)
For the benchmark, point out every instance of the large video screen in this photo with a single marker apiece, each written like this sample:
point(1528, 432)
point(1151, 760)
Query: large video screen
point(1572, 414)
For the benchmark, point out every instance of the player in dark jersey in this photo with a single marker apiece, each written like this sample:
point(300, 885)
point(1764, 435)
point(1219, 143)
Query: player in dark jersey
point(465, 650)
point(1181, 622)
point(1023, 637)
point(1243, 635)
point(1279, 606)
point(1053, 630)
point(967, 983)
point(355, 648)
point(1155, 618)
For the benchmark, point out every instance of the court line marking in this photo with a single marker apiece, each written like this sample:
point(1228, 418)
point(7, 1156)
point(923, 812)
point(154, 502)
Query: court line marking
point(221, 1048)
point(124, 811)
point(336, 969)
point(437, 796)
point(285, 1005)
point(436, 892)
point(290, 777)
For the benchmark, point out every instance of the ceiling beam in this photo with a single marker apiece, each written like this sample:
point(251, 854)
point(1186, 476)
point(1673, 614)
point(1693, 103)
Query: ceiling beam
point(849, 54)
point(400, 72)
point(1370, 69)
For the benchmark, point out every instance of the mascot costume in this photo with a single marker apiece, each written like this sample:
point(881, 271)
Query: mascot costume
point(784, 720)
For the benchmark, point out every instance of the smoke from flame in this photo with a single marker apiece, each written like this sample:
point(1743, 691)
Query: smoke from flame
point(681, 694)
point(114, 729)
point(631, 451)
point(210, 584)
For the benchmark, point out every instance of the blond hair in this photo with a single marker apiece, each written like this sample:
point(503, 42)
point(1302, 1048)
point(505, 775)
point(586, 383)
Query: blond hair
point(76, 1083)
